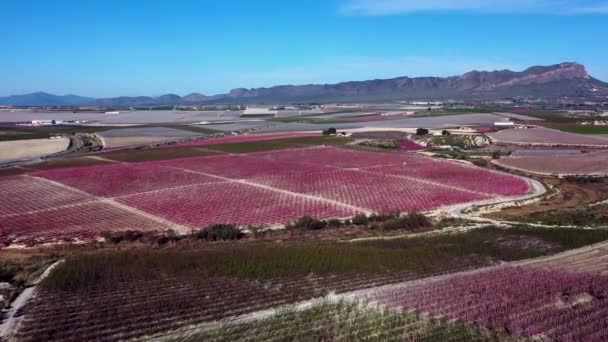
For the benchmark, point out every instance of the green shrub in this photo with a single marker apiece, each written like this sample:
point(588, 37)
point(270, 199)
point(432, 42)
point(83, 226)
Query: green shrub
point(219, 232)
point(360, 220)
point(307, 222)
point(409, 222)
point(258, 232)
point(334, 223)
point(422, 131)
point(8, 272)
point(383, 217)
point(118, 237)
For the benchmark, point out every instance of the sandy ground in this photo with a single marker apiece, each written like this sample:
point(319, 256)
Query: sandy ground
point(125, 117)
point(30, 149)
point(120, 142)
point(11, 321)
point(546, 136)
point(594, 163)
point(147, 132)
point(569, 195)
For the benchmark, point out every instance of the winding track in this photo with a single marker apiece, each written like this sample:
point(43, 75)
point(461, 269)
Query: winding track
point(12, 320)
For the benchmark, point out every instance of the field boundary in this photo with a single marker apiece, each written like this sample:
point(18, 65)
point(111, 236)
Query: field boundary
point(113, 203)
point(281, 191)
point(10, 324)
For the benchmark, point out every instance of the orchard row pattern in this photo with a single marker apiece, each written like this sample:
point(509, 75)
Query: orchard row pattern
point(115, 312)
point(533, 302)
point(243, 138)
point(262, 188)
point(85, 221)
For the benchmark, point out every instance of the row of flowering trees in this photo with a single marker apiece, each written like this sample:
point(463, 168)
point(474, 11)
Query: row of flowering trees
point(524, 300)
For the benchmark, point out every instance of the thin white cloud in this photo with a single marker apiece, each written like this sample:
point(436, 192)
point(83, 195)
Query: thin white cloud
point(600, 9)
point(396, 7)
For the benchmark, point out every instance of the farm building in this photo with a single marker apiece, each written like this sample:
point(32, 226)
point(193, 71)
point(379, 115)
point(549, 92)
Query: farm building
point(259, 111)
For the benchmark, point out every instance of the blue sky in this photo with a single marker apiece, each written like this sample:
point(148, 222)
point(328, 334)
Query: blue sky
point(111, 47)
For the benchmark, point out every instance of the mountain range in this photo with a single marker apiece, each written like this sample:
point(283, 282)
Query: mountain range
point(548, 82)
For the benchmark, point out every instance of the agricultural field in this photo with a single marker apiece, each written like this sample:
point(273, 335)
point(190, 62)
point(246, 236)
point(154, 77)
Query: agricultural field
point(245, 138)
point(539, 152)
point(103, 294)
point(579, 129)
point(276, 187)
point(297, 236)
point(561, 163)
point(125, 137)
point(14, 150)
point(589, 260)
point(529, 301)
point(349, 321)
point(545, 136)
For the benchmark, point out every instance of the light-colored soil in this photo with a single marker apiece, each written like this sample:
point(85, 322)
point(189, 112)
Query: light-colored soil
point(12, 320)
point(31, 148)
point(546, 136)
point(147, 132)
point(594, 163)
point(592, 259)
point(569, 195)
point(120, 142)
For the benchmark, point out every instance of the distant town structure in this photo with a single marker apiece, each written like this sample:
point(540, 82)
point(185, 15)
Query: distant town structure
point(259, 111)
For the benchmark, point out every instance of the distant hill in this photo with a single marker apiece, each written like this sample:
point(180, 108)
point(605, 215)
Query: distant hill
point(44, 99)
point(549, 82)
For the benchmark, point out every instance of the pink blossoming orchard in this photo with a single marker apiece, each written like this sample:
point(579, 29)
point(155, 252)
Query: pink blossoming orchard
point(533, 302)
point(260, 188)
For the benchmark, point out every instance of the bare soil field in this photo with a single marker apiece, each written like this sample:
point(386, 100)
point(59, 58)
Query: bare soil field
point(125, 117)
point(147, 132)
point(125, 137)
point(570, 194)
point(30, 149)
point(592, 163)
point(66, 162)
point(546, 136)
point(140, 155)
point(111, 143)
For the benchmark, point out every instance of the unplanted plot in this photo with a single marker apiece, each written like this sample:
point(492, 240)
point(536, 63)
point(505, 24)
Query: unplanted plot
point(229, 202)
point(371, 191)
point(124, 179)
point(22, 194)
point(245, 138)
point(151, 154)
point(594, 163)
point(84, 221)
